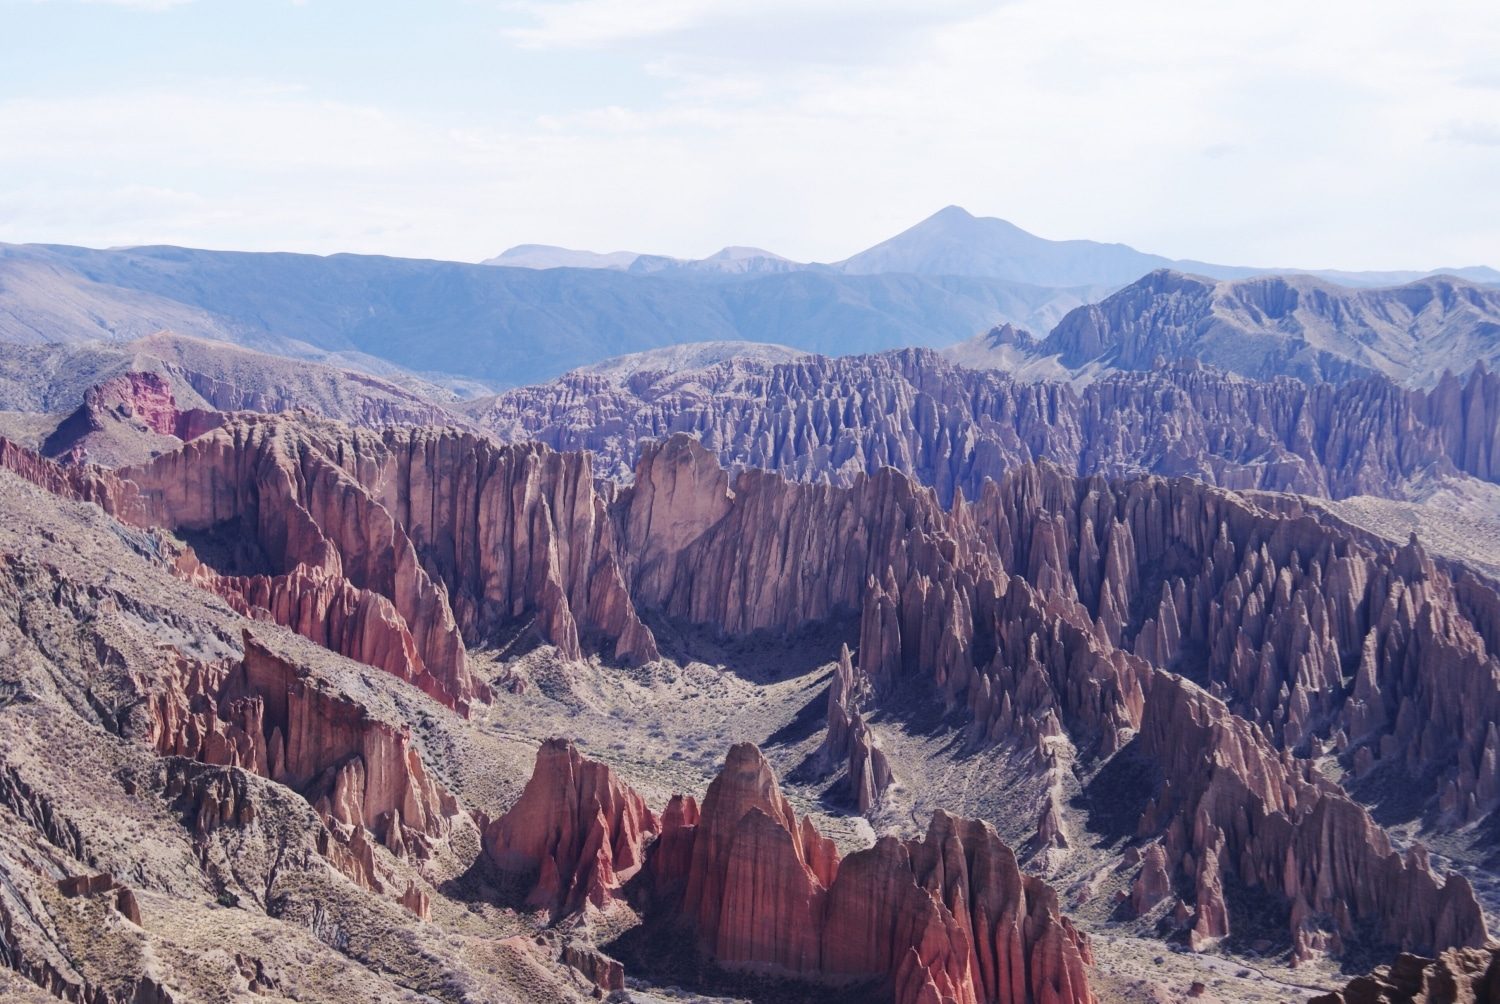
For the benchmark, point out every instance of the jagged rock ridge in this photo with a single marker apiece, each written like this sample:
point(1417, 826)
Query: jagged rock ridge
point(1049, 611)
point(953, 428)
point(1287, 325)
point(949, 917)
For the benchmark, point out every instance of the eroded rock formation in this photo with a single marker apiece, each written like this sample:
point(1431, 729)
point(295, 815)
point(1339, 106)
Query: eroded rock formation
point(577, 827)
point(815, 419)
point(394, 548)
point(261, 714)
point(850, 744)
point(1460, 976)
point(81, 483)
point(1053, 612)
point(276, 504)
point(1230, 805)
point(949, 917)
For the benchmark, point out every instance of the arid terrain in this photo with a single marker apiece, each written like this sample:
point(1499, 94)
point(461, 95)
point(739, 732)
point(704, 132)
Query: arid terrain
point(809, 697)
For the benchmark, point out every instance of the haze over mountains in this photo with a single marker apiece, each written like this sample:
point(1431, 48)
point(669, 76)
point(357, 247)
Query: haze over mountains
point(547, 310)
point(955, 242)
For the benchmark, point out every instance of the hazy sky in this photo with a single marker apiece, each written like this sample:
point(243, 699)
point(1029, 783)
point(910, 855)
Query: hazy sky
point(1309, 133)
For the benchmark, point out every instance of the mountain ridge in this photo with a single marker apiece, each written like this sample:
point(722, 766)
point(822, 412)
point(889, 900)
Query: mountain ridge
point(954, 241)
point(1266, 326)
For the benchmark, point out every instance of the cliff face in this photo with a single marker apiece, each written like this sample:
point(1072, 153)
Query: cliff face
point(1051, 607)
point(82, 483)
point(581, 830)
point(817, 419)
point(1056, 615)
point(392, 549)
point(267, 489)
point(949, 917)
point(1324, 638)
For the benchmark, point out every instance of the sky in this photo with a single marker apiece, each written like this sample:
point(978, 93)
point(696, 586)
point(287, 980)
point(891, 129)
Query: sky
point(1310, 134)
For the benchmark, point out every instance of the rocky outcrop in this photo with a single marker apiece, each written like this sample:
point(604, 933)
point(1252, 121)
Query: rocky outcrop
point(1286, 325)
point(455, 536)
point(120, 896)
point(128, 417)
point(949, 917)
point(1041, 607)
point(1230, 805)
point(328, 609)
point(266, 488)
point(580, 830)
point(1321, 635)
point(263, 715)
point(1052, 613)
point(599, 969)
point(850, 744)
point(1459, 976)
point(512, 532)
point(81, 483)
point(817, 419)
point(758, 875)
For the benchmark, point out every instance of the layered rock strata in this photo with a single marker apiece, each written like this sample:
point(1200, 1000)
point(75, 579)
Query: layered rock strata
point(129, 401)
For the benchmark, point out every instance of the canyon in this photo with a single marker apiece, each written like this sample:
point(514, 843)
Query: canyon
point(1010, 674)
point(1263, 670)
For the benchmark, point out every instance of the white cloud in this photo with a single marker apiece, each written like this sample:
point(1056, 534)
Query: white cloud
point(1329, 134)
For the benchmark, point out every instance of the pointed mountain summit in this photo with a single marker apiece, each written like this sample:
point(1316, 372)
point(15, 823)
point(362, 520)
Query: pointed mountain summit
point(955, 242)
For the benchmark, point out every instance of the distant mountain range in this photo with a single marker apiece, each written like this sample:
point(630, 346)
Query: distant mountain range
point(545, 311)
point(955, 242)
point(503, 326)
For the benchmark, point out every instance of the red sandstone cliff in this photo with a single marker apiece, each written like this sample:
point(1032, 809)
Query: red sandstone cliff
point(582, 831)
point(949, 918)
point(81, 483)
point(1047, 610)
point(279, 494)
